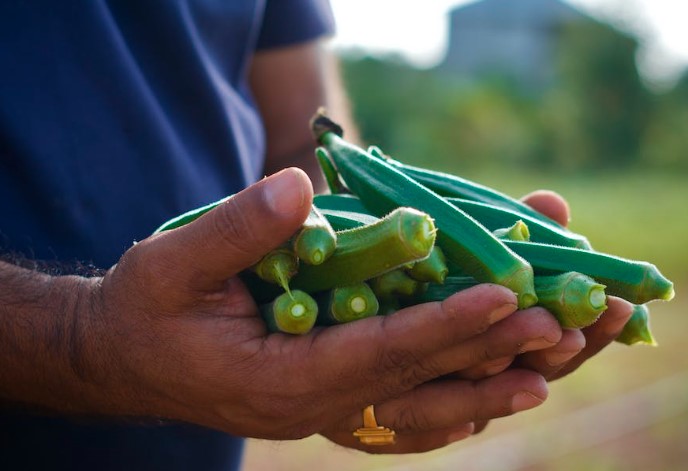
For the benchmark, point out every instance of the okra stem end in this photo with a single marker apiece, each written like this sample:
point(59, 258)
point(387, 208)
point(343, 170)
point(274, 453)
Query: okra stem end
point(321, 124)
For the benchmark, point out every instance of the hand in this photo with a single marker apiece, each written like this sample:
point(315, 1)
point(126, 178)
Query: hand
point(171, 332)
point(576, 346)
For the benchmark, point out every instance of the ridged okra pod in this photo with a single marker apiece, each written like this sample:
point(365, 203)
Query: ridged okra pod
point(291, 313)
point(432, 269)
point(382, 187)
point(277, 266)
point(329, 172)
point(576, 300)
point(495, 217)
point(405, 235)
point(346, 304)
point(394, 284)
point(637, 329)
point(518, 231)
point(316, 240)
point(635, 281)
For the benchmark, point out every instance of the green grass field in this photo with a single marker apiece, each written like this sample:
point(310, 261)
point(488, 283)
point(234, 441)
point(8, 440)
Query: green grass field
point(627, 409)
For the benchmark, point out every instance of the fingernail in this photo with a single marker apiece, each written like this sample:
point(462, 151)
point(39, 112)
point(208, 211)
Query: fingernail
point(284, 191)
point(461, 433)
point(559, 358)
point(501, 312)
point(524, 401)
point(497, 366)
point(537, 344)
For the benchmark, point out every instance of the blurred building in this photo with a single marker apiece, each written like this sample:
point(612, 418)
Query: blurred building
point(512, 38)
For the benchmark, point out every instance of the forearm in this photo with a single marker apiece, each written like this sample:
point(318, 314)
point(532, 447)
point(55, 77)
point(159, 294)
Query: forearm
point(47, 357)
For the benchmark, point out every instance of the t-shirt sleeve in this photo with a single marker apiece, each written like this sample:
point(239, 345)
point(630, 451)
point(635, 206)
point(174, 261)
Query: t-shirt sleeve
point(287, 22)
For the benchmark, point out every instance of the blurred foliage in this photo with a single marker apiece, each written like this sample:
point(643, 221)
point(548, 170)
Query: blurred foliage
point(597, 114)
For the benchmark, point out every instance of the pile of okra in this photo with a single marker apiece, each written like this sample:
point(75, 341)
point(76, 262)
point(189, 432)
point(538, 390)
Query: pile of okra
point(391, 235)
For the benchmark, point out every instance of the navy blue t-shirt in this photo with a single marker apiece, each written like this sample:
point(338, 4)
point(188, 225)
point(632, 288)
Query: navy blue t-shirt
point(115, 116)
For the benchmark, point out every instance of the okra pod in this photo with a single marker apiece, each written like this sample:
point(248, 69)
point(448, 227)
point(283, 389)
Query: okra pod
point(519, 231)
point(576, 300)
point(637, 329)
point(403, 236)
point(635, 281)
point(381, 187)
point(316, 240)
point(291, 313)
point(346, 304)
point(277, 266)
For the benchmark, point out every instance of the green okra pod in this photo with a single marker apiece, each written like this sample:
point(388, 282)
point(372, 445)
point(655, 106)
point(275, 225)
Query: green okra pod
point(381, 187)
point(403, 236)
point(316, 240)
point(637, 329)
point(635, 281)
point(277, 266)
point(329, 172)
point(346, 304)
point(432, 269)
point(291, 313)
point(394, 284)
point(518, 231)
point(576, 300)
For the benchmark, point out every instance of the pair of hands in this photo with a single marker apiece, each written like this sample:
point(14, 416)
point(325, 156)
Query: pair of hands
point(171, 332)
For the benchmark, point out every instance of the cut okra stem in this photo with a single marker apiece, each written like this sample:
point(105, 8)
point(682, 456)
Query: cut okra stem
point(576, 300)
point(277, 266)
point(346, 304)
point(291, 313)
point(519, 231)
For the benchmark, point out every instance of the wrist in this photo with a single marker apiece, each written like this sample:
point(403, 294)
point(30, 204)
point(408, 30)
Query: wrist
point(53, 347)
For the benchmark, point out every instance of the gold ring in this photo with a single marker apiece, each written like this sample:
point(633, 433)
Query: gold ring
point(371, 433)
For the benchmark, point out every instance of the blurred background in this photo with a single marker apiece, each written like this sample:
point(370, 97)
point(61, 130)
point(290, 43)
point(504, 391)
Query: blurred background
point(588, 98)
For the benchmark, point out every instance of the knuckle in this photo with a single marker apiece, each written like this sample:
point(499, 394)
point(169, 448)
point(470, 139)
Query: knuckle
point(412, 419)
point(395, 359)
point(419, 373)
point(484, 354)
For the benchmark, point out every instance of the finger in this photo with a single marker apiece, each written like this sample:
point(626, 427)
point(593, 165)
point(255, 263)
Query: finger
point(489, 368)
point(601, 333)
point(443, 404)
point(548, 361)
point(375, 358)
point(241, 230)
point(550, 204)
point(479, 426)
point(523, 331)
point(407, 443)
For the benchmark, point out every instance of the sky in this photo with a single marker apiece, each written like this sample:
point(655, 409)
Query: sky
point(418, 30)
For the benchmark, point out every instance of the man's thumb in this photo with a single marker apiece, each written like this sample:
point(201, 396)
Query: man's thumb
point(237, 233)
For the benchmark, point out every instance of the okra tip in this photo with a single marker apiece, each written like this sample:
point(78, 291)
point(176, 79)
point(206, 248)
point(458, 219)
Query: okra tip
point(657, 286)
